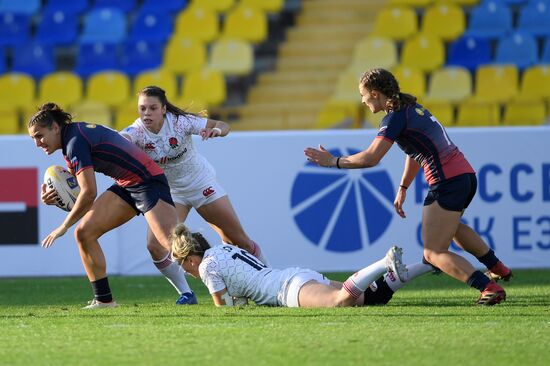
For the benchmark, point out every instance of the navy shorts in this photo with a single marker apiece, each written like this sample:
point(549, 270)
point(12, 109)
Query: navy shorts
point(453, 194)
point(143, 197)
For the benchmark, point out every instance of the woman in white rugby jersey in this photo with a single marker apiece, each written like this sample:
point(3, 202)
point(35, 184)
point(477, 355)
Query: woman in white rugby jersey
point(231, 273)
point(164, 132)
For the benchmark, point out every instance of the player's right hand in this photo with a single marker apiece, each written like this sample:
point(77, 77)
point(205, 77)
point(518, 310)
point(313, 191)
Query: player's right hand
point(48, 196)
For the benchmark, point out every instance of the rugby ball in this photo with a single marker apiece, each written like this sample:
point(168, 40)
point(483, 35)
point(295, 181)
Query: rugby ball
point(64, 184)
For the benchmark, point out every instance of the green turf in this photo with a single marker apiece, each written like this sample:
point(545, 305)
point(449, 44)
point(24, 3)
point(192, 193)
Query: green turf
point(430, 322)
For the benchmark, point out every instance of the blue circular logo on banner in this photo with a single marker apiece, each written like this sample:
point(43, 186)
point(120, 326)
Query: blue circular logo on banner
point(342, 210)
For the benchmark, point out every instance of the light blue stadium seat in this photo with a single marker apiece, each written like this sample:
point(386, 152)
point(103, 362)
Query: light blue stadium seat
point(14, 28)
point(138, 56)
point(167, 5)
point(519, 48)
point(470, 52)
point(28, 7)
point(151, 25)
point(33, 59)
point(74, 7)
point(490, 19)
point(57, 28)
point(94, 57)
point(535, 18)
point(104, 25)
point(124, 5)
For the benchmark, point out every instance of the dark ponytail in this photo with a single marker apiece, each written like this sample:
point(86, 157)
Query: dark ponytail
point(48, 114)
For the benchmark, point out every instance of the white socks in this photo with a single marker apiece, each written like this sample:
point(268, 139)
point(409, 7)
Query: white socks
point(415, 270)
point(358, 282)
point(173, 273)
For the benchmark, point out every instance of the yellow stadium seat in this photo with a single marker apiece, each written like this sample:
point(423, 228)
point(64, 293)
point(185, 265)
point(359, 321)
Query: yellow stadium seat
point(374, 52)
point(109, 87)
point(347, 88)
point(198, 22)
point(444, 20)
point(183, 55)
point(192, 105)
point(396, 22)
point(423, 51)
point(269, 6)
point(125, 115)
point(471, 113)
point(411, 80)
point(465, 2)
point(216, 5)
point(339, 114)
point(442, 110)
point(415, 3)
point(496, 83)
point(17, 90)
point(161, 78)
point(91, 111)
point(525, 113)
point(9, 121)
point(535, 83)
point(232, 57)
point(64, 88)
point(204, 86)
point(449, 84)
point(247, 23)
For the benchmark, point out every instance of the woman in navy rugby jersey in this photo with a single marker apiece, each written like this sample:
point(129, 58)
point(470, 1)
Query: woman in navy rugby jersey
point(452, 181)
point(140, 187)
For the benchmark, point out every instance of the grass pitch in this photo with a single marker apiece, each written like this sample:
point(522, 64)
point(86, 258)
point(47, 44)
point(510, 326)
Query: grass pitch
point(429, 322)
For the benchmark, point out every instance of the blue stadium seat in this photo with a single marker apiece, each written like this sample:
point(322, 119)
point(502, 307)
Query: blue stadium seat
point(124, 5)
point(167, 5)
point(57, 28)
point(519, 48)
point(104, 25)
point(14, 28)
point(94, 57)
point(470, 52)
point(545, 57)
point(151, 26)
point(33, 59)
point(28, 7)
point(73, 7)
point(138, 56)
point(3, 60)
point(491, 19)
point(535, 18)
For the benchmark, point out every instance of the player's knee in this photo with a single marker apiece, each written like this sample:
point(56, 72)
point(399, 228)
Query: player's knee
point(84, 233)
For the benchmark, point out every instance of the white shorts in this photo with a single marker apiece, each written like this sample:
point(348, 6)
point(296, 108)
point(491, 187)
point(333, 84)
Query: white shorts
point(294, 285)
point(198, 196)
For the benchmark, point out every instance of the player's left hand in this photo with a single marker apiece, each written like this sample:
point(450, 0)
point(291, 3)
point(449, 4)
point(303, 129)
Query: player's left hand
point(320, 156)
point(398, 203)
point(208, 133)
point(48, 241)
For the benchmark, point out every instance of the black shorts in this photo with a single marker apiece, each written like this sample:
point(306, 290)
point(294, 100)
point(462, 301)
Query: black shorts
point(453, 194)
point(143, 197)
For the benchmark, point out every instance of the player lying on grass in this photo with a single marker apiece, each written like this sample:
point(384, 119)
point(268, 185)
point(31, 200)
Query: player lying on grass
point(232, 273)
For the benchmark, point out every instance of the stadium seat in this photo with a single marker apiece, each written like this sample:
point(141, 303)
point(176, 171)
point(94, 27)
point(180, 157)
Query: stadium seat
point(444, 20)
point(490, 20)
point(545, 57)
point(442, 110)
point(63, 88)
point(197, 22)
point(183, 55)
point(246, 23)
point(204, 86)
point(9, 121)
point(33, 59)
point(170, 6)
point(94, 57)
point(219, 6)
point(268, 6)
point(123, 5)
point(524, 113)
point(3, 60)
point(151, 26)
point(110, 88)
point(470, 52)
point(72, 7)
point(519, 48)
point(496, 83)
point(396, 22)
point(57, 28)
point(449, 84)
point(476, 114)
point(534, 18)
point(162, 78)
point(125, 115)
point(373, 51)
point(17, 90)
point(411, 80)
point(91, 111)
point(535, 83)
point(104, 25)
point(335, 114)
point(232, 57)
point(423, 51)
point(15, 29)
point(28, 7)
point(346, 89)
point(138, 56)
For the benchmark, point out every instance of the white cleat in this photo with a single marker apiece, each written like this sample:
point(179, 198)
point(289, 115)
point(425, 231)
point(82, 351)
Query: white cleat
point(394, 263)
point(95, 304)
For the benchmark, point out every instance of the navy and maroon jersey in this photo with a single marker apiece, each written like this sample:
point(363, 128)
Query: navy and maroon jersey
point(87, 145)
point(424, 139)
